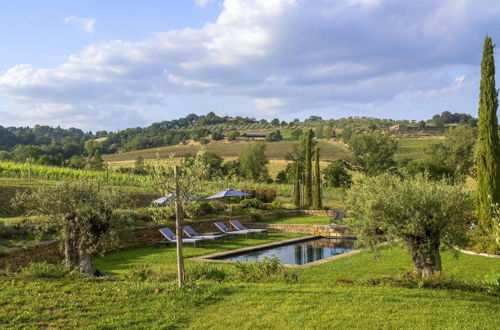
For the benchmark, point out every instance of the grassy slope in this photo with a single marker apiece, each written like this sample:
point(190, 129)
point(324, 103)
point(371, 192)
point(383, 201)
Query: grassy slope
point(274, 150)
point(315, 302)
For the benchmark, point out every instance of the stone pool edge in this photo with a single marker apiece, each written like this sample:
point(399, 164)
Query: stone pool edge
point(210, 257)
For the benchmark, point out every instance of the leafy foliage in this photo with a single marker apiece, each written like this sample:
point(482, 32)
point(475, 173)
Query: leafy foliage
point(488, 151)
point(267, 270)
point(253, 162)
point(80, 212)
point(425, 215)
point(373, 153)
point(336, 175)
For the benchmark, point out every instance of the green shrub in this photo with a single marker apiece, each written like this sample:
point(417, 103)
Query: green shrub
point(268, 270)
point(205, 272)
point(257, 216)
point(217, 205)
point(252, 202)
point(45, 270)
point(199, 209)
point(482, 243)
point(146, 273)
point(492, 283)
point(273, 206)
point(263, 195)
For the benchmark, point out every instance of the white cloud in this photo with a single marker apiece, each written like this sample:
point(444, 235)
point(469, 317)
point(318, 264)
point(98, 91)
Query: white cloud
point(282, 56)
point(85, 24)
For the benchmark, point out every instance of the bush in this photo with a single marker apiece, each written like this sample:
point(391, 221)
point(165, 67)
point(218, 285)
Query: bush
point(218, 206)
point(205, 272)
point(274, 205)
point(252, 202)
point(199, 209)
point(482, 242)
point(268, 270)
point(146, 273)
point(492, 283)
point(264, 195)
point(45, 270)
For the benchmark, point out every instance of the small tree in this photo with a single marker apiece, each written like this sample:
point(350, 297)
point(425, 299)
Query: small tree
point(455, 152)
point(317, 199)
point(253, 162)
point(184, 180)
point(373, 153)
point(425, 215)
point(82, 215)
point(488, 149)
point(308, 168)
point(336, 175)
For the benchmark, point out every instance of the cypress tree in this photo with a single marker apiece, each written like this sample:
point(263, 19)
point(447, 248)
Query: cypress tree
point(488, 151)
point(308, 169)
point(317, 202)
point(296, 185)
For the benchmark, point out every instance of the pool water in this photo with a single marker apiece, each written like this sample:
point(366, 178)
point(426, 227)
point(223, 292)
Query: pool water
point(298, 253)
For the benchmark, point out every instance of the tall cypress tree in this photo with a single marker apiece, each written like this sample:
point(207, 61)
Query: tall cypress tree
point(488, 151)
point(317, 202)
point(308, 169)
point(296, 185)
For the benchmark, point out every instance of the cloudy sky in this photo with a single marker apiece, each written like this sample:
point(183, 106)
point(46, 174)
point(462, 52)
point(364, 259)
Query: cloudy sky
point(114, 64)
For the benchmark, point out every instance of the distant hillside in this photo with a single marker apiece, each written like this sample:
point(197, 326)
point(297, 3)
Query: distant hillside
point(274, 150)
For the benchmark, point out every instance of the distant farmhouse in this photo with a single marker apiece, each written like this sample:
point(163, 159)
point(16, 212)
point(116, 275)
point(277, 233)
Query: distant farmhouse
point(255, 135)
point(399, 128)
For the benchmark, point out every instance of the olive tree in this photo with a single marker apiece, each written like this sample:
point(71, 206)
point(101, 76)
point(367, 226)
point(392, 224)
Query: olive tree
point(185, 180)
point(423, 214)
point(81, 214)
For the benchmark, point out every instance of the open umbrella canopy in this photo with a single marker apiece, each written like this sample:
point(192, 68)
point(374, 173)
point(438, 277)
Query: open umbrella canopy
point(226, 193)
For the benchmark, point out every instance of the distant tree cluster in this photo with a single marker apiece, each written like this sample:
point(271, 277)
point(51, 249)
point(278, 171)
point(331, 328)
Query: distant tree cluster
point(446, 117)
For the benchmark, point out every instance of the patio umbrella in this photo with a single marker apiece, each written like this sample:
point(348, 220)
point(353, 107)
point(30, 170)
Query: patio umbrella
point(228, 193)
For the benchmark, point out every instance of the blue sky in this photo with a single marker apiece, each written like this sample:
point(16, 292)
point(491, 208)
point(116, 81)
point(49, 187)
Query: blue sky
point(117, 64)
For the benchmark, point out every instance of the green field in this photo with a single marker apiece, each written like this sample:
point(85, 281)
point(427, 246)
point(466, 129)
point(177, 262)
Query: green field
point(331, 295)
point(414, 149)
point(274, 150)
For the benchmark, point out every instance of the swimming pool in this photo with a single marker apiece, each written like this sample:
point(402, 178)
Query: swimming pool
point(297, 253)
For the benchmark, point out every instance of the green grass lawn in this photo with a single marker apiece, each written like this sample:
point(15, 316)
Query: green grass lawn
point(316, 301)
point(303, 219)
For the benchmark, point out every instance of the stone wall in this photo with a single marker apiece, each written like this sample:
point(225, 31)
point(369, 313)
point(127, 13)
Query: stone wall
point(140, 236)
point(49, 251)
point(318, 230)
point(143, 236)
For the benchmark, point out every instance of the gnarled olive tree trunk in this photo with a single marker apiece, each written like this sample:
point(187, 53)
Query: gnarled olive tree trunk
point(85, 263)
point(425, 256)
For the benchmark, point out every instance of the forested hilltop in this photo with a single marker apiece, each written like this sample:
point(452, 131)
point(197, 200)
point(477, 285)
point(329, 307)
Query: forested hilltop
point(75, 148)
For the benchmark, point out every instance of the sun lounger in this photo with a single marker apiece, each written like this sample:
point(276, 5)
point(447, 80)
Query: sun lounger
point(238, 226)
point(171, 239)
point(191, 233)
point(223, 228)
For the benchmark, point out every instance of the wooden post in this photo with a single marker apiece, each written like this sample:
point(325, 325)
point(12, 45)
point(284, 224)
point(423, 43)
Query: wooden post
point(178, 230)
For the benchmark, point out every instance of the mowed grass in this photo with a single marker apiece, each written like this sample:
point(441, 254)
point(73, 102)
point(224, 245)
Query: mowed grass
point(303, 219)
point(274, 150)
point(317, 301)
